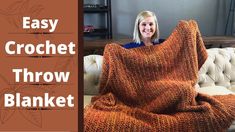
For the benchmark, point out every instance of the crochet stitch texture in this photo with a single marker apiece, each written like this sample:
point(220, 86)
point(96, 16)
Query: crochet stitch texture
point(151, 89)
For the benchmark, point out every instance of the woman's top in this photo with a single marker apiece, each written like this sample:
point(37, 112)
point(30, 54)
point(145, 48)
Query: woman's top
point(135, 45)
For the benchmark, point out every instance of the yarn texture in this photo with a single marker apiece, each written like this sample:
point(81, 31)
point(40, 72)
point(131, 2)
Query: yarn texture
point(151, 89)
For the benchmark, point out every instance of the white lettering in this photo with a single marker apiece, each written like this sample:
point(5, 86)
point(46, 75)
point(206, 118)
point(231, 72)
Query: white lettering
point(37, 76)
point(17, 74)
point(51, 48)
point(70, 99)
point(17, 100)
point(26, 102)
point(19, 48)
point(7, 47)
point(9, 100)
point(48, 77)
point(62, 49)
point(29, 76)
point(44, 23)
point(37, 101)
point(39, 49)
point(26, 22)
point(60, 101)
point(29, 49)
point(53, 25)
point(71, 48)
point(48, 101)
point(37, 24)
point(11, 47)
point(62, 76)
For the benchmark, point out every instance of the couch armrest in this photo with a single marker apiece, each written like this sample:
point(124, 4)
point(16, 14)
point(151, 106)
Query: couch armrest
point(87, 100)
point(92, 70)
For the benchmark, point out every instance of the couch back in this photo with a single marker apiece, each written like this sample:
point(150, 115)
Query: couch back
point(218, 70)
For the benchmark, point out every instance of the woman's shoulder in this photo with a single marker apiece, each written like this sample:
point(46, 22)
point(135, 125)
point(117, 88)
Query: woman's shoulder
point(132, 45)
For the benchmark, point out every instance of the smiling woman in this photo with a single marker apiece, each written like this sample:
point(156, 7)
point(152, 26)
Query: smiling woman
point(146, 31)
point(147, 26)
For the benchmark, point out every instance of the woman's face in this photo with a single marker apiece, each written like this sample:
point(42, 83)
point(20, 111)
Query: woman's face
point(147, 27)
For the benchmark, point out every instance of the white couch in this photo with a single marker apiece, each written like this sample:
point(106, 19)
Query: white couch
point(216, 77)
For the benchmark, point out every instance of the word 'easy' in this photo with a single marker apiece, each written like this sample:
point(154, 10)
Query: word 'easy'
point(37, 24)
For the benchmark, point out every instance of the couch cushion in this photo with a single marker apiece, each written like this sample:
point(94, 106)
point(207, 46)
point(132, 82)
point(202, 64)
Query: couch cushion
point(232, 127)
point(86, 100)
point(214, 90)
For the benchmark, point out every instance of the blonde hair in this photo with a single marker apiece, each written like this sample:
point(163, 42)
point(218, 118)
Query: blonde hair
point(141, 16)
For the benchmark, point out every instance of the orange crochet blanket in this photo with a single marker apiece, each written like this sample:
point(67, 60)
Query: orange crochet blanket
point(151, 89)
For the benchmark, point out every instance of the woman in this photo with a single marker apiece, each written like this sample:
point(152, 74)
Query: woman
point(146, 31)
